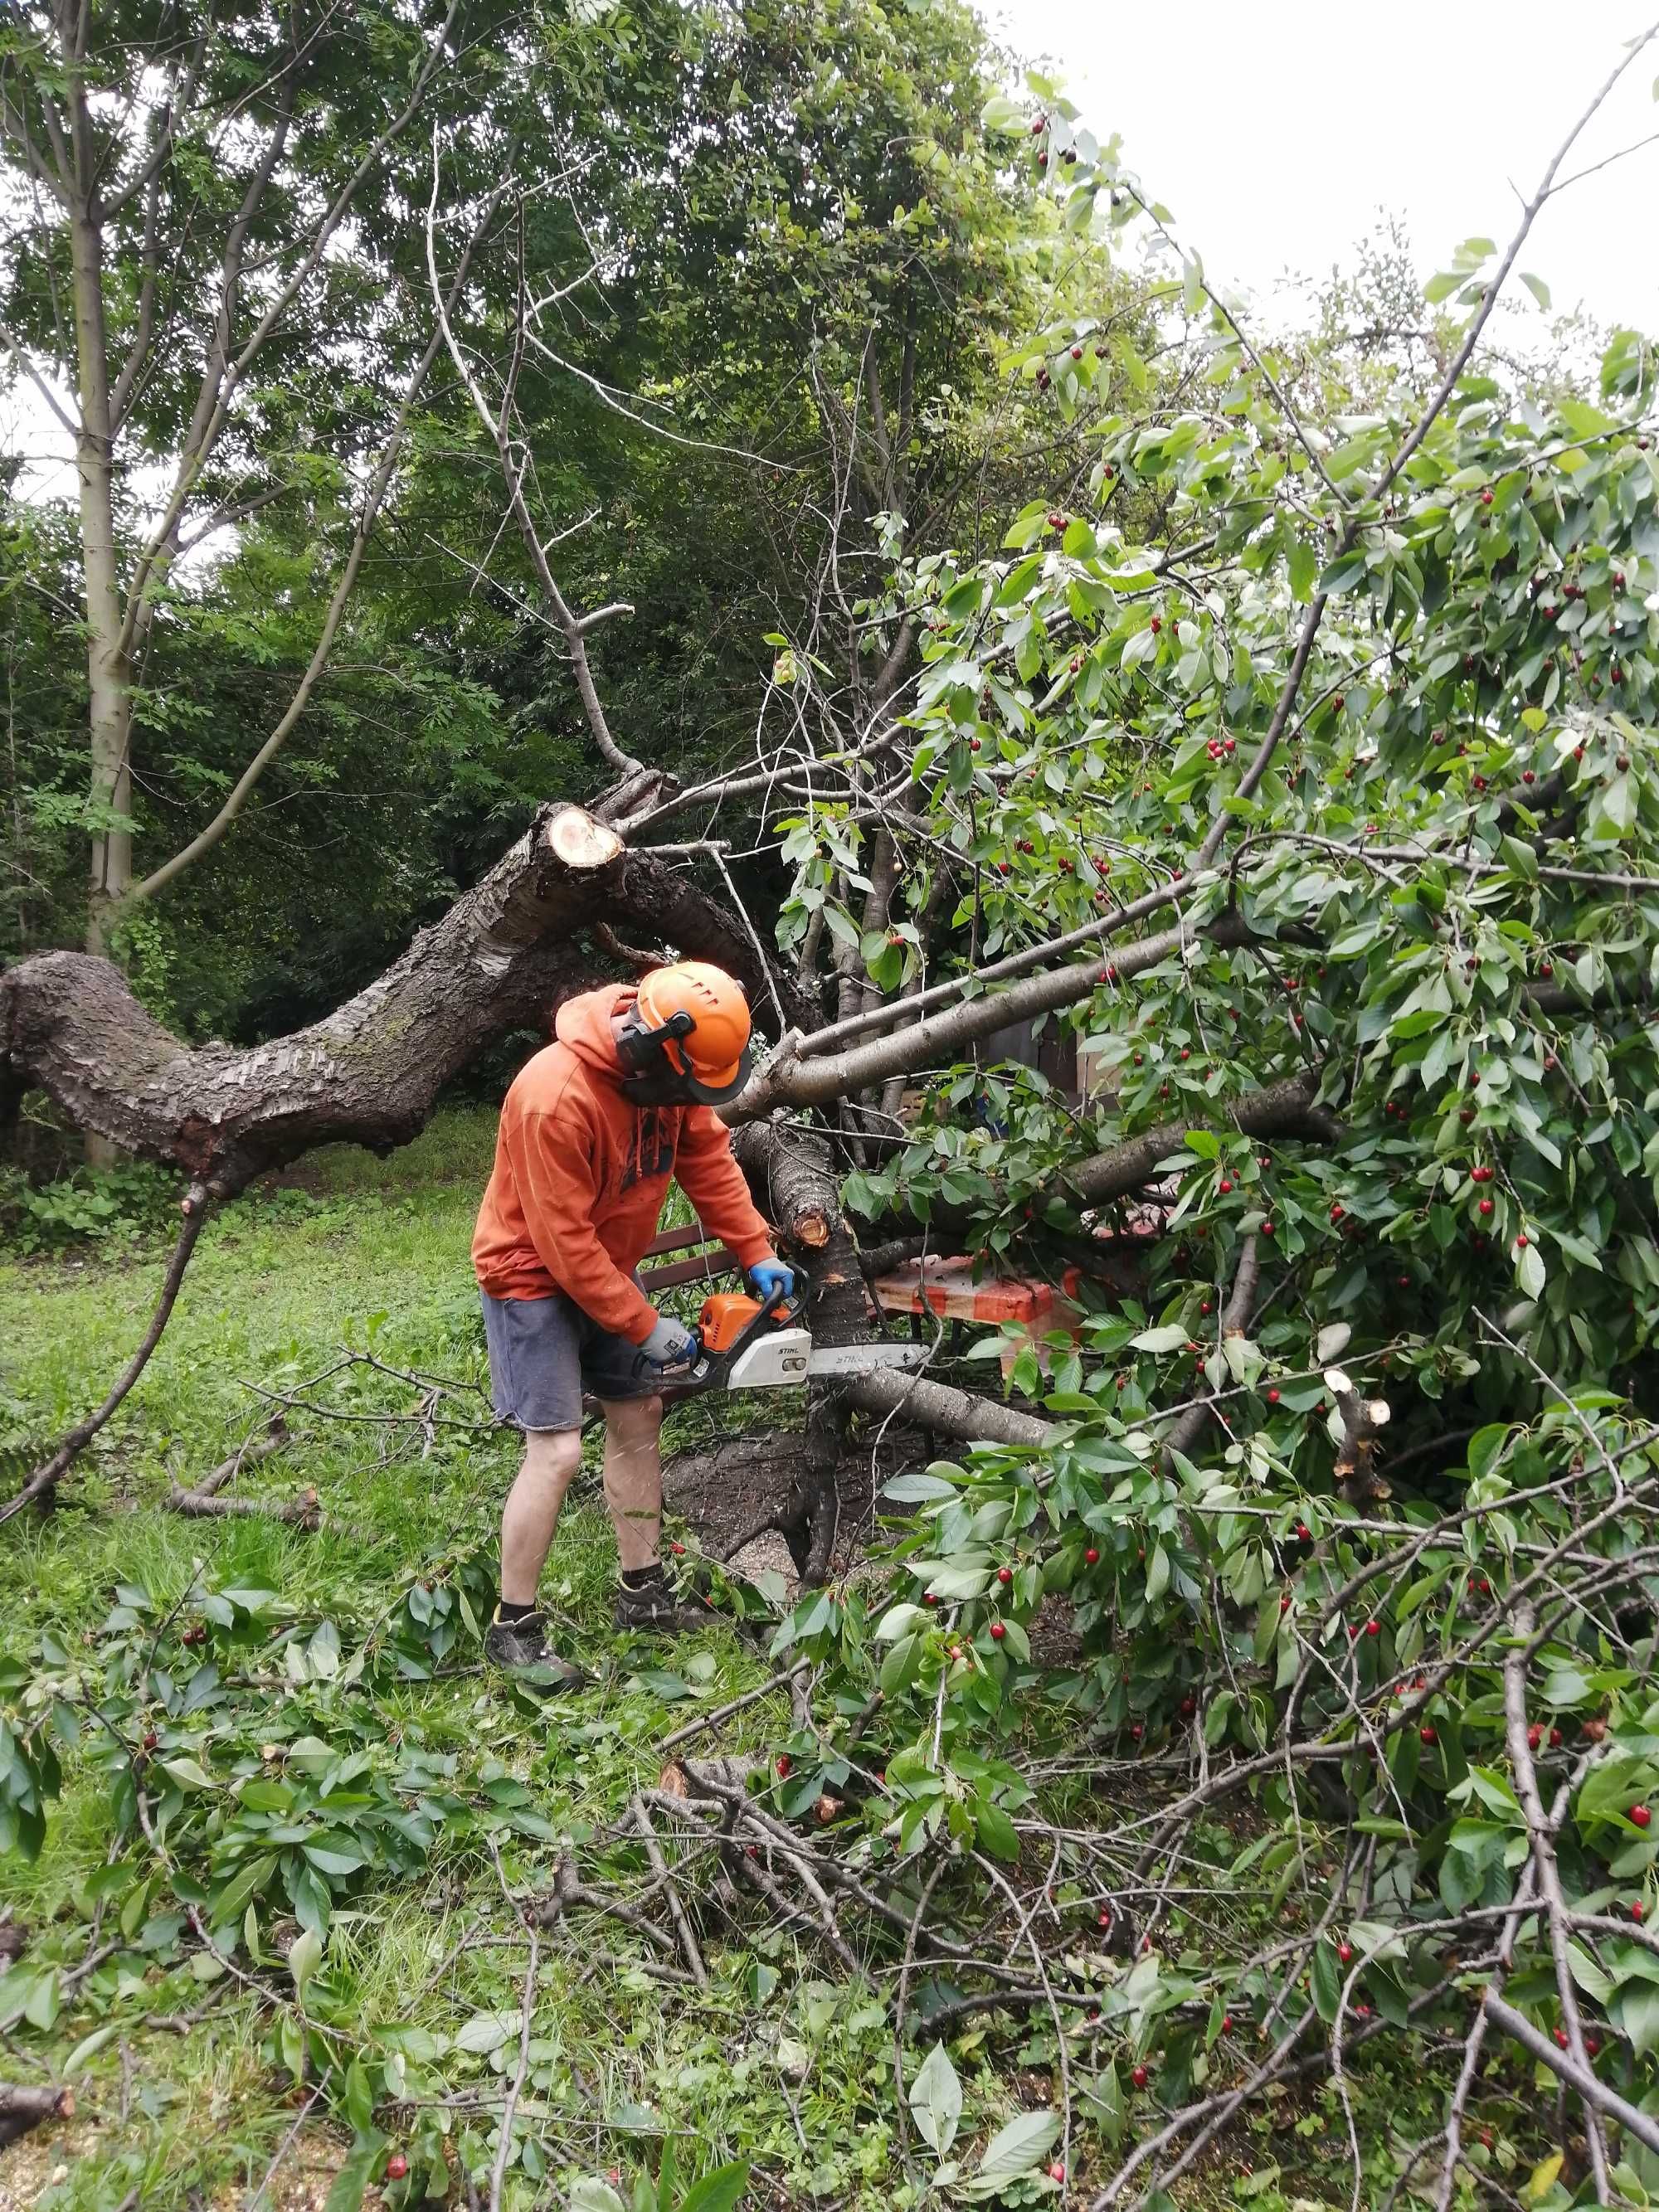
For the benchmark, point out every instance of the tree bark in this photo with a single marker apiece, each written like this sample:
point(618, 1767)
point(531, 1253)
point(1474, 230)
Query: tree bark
point(23, 2107)
point(109, 714)
point(948, 1412)
point(370, 1073)
point(1277, 1109)
point(793, 1177)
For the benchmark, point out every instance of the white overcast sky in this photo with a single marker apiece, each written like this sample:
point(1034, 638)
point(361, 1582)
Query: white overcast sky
point(1275, 130)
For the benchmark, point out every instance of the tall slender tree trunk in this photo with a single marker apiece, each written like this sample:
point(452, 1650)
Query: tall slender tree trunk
point(110, 784)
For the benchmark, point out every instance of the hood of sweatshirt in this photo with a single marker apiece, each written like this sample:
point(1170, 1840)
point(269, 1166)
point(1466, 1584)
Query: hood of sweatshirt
point(584, 1024)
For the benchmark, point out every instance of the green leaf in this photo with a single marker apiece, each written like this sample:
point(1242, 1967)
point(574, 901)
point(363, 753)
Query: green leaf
point(590, 2194)
point(488, 2031)
point(1169, 1338)
point(1014, 2151)
point(935, 2101)
point(188, 1773)
point(920, 1488)
point(718, 2191)
point(997, 1832)
point(361, 2166)
point(1002, 115)
point(1538, 287)
point(304, 1956)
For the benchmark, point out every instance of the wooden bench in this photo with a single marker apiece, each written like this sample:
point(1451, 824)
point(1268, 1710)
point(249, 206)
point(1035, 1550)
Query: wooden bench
point(704, 1267)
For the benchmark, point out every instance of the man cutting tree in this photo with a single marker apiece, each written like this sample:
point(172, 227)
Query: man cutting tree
point(592, 1130)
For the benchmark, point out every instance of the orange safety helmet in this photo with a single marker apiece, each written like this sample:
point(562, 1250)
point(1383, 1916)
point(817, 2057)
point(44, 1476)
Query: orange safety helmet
point(685, 1040)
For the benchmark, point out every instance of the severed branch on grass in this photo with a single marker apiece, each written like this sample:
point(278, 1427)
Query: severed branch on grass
point(46, 1478)
point(204, 1500)
point(23, 2107)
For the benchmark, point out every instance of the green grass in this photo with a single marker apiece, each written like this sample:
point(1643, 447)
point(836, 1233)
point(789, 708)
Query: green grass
point(366, 1252)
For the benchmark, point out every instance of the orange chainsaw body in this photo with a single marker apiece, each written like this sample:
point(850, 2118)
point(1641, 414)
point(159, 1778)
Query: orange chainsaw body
point(724, 1318)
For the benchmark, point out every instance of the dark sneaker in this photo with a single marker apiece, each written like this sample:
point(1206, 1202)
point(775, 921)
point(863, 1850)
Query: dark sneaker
point(654, 1607)
point(523, 1646)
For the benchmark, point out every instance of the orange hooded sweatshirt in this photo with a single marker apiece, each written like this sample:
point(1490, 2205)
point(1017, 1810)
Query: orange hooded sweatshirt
point(580, 1174)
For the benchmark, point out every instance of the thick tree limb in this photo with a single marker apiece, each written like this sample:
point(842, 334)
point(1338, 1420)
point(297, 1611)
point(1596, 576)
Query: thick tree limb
point(370, 1073)
point(1279, 1109)
point(948, 1412)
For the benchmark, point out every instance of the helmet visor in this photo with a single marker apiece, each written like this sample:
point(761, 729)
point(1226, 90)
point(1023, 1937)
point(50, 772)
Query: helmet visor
point(717, 1087)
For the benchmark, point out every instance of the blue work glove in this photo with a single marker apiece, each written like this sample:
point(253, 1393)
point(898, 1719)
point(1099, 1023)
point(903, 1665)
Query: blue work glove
point(767, 1275)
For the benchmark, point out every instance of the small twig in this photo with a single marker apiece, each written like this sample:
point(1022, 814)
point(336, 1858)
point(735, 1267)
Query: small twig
point(528, 2008)
point(676, 1905)
point(719, 1713)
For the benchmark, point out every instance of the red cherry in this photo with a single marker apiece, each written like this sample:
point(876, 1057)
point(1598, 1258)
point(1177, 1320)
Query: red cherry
point(1345, 1952)
point(1267, 1229)
point(1226, 2023)
point(785, 1766)
point(1284, 1602)
point(150, 1739)
point(1638, 1912)
point(1005, 1576)
point(1640, 1815)
point(1535, 1736)
point(1303, 1533)
point(1520, 1243)
point(396, 2166)
point(1057, 2171)
point(1273, 1397)
point(1139, 2075)
point(1092, 1558)
point(1485, 499)
point(1373, 1628)
point(997, 1632)
point(1189, 1707)
point(1427, 1733)
point(930, 1597)
point(1485, 1207)
point(1224, 1187)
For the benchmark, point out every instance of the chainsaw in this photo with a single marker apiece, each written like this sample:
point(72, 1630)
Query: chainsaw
point(745, 1344)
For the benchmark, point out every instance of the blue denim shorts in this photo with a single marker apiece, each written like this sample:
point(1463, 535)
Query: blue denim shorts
point(546, 1355)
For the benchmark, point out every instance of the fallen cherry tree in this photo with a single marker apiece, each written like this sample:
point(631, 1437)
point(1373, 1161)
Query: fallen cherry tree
point(1304, 777)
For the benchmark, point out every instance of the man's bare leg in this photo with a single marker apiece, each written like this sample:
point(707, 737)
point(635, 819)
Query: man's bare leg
point(633, 1478)
point(530, 1515)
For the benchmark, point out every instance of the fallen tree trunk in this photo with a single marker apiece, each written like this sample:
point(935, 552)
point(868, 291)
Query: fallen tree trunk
point(502, 959)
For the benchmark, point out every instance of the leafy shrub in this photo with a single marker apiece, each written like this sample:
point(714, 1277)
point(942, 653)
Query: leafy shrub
point(90, 1205)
